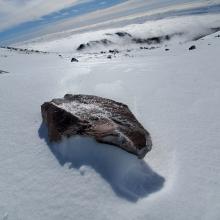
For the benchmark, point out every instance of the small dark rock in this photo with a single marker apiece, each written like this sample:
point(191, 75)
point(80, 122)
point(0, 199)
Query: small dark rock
point(144, 48)
point(193, 47)
point(109, 56)
point(74, 60)
point(167, 49)
point(115, 51)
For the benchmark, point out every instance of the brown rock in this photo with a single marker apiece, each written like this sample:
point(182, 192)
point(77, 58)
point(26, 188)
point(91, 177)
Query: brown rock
point(104, 119)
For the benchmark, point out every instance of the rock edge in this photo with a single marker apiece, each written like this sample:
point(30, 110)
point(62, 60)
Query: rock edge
point(105, 120)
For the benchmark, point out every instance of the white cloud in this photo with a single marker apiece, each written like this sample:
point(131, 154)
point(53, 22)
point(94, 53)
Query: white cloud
point(127, 11)
point(14, 12)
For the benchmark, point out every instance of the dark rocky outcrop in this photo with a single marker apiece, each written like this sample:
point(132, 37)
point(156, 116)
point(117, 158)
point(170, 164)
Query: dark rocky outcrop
point(152, 40)
point(106, 42)
point(94, 43)
point(119, 34)
point(26, 51)
point(105, 120)
point(156, 39)
point(123, 34)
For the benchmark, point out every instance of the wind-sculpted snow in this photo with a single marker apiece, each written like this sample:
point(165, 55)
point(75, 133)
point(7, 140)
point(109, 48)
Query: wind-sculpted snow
point(129, 177)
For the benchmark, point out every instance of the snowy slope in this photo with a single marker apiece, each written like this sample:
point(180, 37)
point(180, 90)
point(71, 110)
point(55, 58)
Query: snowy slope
point(175, 94)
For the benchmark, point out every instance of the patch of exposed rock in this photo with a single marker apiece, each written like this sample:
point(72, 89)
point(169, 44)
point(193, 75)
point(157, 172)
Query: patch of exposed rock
point(125, 35)
point(74, 60)
point(105, 120)
point(193, 47)
point(94, 43)
point(156, 39)
point(27, 51)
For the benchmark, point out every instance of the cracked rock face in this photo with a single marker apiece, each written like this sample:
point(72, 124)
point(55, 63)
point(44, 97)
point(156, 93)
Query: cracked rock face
point(103, 119)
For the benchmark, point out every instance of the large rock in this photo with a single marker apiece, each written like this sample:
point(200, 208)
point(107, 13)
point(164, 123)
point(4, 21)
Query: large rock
point(104, 119)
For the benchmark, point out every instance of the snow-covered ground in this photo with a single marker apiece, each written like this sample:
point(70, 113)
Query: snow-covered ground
point(174, 93)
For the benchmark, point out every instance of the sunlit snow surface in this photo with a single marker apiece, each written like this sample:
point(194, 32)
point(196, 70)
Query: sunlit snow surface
point(174, 94)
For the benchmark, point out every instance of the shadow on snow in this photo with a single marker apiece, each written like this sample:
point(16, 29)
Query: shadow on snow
point(129, 177)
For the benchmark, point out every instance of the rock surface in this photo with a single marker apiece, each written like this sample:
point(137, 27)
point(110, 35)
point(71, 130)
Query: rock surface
point(103, 119)
point(94, 43)
point(193, 47)
point(74, 60)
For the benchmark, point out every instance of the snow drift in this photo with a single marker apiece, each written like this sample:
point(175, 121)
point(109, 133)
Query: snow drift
point(129, 177)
